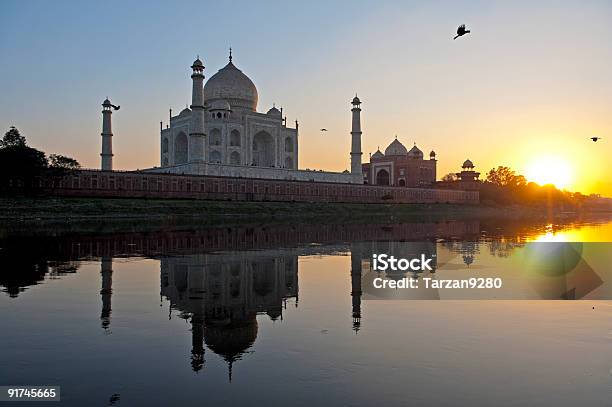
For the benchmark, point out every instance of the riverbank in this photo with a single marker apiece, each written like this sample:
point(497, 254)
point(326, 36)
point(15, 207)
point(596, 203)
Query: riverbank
point(107, 209)
point(110, 215)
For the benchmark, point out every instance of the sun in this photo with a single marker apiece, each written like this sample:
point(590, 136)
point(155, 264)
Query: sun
point(550, 170)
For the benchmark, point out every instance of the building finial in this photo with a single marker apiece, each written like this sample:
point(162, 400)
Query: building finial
point(230, 56)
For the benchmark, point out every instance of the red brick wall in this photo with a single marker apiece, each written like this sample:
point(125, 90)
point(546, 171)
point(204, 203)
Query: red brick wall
point(92, 183)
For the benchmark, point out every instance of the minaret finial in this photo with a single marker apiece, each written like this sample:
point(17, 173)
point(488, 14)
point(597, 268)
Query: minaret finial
point(230, 56)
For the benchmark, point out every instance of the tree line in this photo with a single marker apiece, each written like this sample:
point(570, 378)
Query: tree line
point(21, 166)
point(503, 186)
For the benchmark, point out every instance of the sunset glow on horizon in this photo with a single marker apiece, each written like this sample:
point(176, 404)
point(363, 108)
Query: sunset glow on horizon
point(550, 170)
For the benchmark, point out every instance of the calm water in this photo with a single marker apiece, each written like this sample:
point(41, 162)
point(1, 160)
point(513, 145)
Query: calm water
point(281, 315)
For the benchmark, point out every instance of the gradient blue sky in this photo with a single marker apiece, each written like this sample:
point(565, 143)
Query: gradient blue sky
point(533, 79)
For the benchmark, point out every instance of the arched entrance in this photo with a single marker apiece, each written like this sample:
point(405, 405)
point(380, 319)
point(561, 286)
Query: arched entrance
point(180, 149)
point(263, 150)
point(382, 177)
point(402, 183)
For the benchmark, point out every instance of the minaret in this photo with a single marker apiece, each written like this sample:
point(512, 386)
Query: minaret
point(106, 270)
point(107, 136)
point(196, 126)
point(356, 137)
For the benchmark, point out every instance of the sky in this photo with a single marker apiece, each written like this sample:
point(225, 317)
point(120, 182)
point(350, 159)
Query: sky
point(529, 85)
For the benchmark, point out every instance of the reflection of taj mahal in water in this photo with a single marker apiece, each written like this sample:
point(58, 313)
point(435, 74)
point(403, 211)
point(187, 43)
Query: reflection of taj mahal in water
point(221, 295)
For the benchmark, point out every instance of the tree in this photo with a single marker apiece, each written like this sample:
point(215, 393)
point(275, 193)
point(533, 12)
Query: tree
point(505, 177)
point(12, 138)
point(63, 162)
point(450, 177)
point(20, 165)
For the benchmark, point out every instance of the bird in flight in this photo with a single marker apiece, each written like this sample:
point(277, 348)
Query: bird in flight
point(461, 31)
point(595, 139)
point(323, 129)
point(116, 107)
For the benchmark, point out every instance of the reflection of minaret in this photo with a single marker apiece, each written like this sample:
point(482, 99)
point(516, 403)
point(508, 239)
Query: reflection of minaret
point(197, 342)
point(356, 287)
point(107, 290)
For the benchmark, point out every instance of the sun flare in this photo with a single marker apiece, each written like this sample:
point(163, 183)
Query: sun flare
point(550, 170)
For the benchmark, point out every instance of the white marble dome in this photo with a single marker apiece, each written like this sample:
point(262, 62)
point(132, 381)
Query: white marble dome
point(233, 86)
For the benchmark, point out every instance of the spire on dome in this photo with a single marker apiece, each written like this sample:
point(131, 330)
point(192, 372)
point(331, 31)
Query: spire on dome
point(230, 55)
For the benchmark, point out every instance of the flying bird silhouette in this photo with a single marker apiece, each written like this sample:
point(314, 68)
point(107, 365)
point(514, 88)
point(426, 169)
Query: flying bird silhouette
point(323, 129)
point(461, 31)
point(595, 139)
point(116, 107)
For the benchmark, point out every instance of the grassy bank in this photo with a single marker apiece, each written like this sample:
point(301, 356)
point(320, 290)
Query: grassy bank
point(99, 215)
point(22, 209)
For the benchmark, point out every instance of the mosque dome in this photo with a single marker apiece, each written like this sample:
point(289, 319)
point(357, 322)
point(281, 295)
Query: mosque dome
point(185, 112)
point(432, 153)
point(356, 100)
point(415, 152)
point(197, 63)
point(274, 112)
point(395, 148)
point(467, 164)
point(233, 86)
point(219, 104)
point(377, 155)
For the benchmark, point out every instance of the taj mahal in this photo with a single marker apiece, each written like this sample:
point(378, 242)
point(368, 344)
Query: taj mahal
point(221, 133)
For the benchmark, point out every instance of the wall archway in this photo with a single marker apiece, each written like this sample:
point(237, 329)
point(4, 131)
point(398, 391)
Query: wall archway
point(382, 177)
point(235, 138)
point(215, 137)
point(215, 157)
point(289, 162)
point(288, 145)
point(180, 149)
point(402, 183)
point(165, 145)
point(263, 149)
point(235, 158)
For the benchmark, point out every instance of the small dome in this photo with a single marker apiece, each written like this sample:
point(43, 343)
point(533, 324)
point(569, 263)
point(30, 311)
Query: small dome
point(185, 112)
point(432, 153)
point(377, 155)
point(395, 148)
point(356, 100)
point(106, 102)
point(467, 164)
point(415, 152)
point(274, 112)
point(197, 63)
point(219, 105)
point(233, 86)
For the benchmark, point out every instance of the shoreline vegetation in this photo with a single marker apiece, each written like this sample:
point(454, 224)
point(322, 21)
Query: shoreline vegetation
point(63, 210)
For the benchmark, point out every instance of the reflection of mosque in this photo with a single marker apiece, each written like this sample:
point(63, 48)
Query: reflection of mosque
point(222, 295)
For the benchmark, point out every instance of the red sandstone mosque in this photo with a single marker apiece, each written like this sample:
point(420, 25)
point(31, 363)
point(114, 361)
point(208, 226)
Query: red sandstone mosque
point(400, 167)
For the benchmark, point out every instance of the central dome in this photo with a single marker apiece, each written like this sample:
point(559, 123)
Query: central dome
point(232, 85)
point(395, 148)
